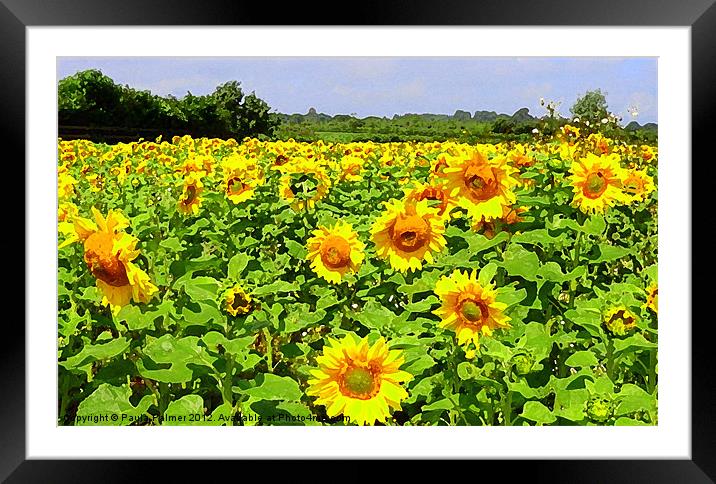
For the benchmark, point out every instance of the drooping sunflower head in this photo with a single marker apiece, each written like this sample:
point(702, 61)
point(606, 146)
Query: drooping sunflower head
point(597, 182)
point(469, 308)
point(350, 168)
point(359, 380)
point(489, 228)
point(481, 185)
point(408, 233)
point(435, 193)
point(190, 198)
point(241, 177)
point(335, 251)
point(237, 301)
point(304, 182)
point(619, 320)
point(652, 297)
point(108, 253)
point(637, 185)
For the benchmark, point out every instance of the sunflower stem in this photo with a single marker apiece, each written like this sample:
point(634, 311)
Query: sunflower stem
point(575, 262)
point(651, 383)
point(227, 391)
point(269, 349)
point(610, 359)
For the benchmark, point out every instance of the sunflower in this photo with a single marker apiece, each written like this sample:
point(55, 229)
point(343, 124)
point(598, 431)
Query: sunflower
point(652, 297)
point(469, 308)
point(66, 212)
point(350, 168)
point(408, 233)
point(619, 320)
point(334, 251)
point(65, 185)
point(647, 153)
point(190, 199)
point(358, 380)
point(304, 182)
point(237, 301)
point(510, 215)
point(436, 194)
point(241, 177)
point(637, 185)
point(108, 253)
point(482, 186)
point(596, 182)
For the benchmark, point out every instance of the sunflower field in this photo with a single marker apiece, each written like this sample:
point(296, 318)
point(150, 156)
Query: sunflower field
point(217, 282)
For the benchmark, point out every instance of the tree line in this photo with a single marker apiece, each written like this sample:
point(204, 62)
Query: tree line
point(93, 105)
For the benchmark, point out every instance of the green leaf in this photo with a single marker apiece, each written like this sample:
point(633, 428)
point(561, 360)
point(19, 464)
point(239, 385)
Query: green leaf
point(551, 271)
point(594, 225)
point(518, 261)
point(492, 347)
point(443, 404)
point(202, 288)
point(296, 250)
point(425, 283)
point(626, 421)
point(569, 404)
point(374, 315)
point(275, 288)
point(138, 318)
point(207, 315)
point(188, 410)
point(540, 237)
point(537, 412)
point(424, 305)
point(466, 370)
point(110, 402)
point(588, 318)
point(478, 243)
point(537, 340)
point(275, 387)
point(300, 316)
point(237, 264)
point(633, 343)
point(610, 252)
point(487, 273)
point(172, 243)
point(177, 353)
point(582, 359)
point(633, 398)
point(91, 353)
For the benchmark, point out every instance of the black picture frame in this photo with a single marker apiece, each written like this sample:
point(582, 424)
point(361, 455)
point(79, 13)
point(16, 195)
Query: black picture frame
point(700, 15)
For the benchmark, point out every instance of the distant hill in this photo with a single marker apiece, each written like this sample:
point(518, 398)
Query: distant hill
point(520, 116)
point(634, 126)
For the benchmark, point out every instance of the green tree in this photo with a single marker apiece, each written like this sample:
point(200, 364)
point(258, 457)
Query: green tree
point(591, 107)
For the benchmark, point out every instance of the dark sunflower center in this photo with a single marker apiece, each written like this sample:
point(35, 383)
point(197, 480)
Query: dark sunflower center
point(595, 185)
point(474, 311)
point(359, 382)
point(235, 185)
point(102, 263)
point(335, 252)
point(302, 185)
point(240, 302)
point(621, 316)
point(410, 233)
point(189, 194)
point(481, 182)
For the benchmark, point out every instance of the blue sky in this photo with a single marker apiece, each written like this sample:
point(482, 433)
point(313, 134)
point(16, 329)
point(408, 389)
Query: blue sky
point(383, 86)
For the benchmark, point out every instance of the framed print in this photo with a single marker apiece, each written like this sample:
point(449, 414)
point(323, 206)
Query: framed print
point(418, 237)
